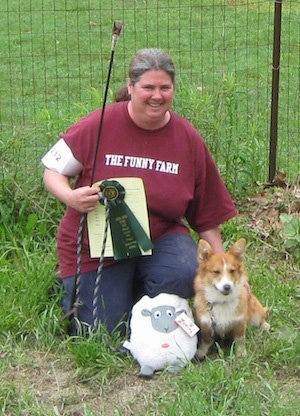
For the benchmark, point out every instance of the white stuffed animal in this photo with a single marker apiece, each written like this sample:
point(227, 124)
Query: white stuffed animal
point(156, 340)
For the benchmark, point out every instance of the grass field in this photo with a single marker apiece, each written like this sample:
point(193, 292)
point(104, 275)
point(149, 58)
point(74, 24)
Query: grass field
point(44, 372)
point(54, 58)
point(54, 61)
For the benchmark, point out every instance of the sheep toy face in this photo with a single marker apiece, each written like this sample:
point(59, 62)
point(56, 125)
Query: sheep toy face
point(163, 318)
point(156, 340)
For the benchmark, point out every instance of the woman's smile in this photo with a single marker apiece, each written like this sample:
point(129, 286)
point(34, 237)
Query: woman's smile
point(151, 99)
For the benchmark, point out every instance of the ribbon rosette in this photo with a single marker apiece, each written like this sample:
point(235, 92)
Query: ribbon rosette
point(127, 234)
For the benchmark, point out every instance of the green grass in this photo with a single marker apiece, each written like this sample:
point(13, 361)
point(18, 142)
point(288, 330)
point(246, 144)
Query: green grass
point(54, 58)
point(45, 372)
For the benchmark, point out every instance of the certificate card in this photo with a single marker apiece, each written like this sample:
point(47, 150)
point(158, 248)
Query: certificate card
point(135, 198)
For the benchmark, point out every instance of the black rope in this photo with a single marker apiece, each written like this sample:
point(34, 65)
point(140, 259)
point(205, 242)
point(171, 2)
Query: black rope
point(75, 301)
point(81, 230)
point(100, 267)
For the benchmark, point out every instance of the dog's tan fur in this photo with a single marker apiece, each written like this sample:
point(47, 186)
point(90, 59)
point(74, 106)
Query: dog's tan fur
point(224, 304)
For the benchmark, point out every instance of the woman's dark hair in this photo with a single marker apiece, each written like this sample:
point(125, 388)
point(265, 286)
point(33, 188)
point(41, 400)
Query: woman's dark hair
point(122, 94)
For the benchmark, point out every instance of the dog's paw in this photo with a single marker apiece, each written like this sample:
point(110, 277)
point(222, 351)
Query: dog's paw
point(265, 326)
point(240, 348)
point(203, 350)
point(199, 357)
point(241, 351)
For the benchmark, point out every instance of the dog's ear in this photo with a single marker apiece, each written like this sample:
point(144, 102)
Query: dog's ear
point(239, 247)
point(204, 250)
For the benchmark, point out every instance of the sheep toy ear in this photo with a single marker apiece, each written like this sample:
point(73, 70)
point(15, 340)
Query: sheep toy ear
point(180, 311)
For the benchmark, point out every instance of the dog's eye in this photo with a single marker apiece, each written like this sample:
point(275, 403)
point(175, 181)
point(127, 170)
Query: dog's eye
point(232, 271)
point(216, 272)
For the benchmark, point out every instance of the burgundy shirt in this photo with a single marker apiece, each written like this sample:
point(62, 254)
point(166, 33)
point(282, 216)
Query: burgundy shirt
point(180, 177)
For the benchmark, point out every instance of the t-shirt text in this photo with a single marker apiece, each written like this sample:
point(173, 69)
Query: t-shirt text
point(142, 163)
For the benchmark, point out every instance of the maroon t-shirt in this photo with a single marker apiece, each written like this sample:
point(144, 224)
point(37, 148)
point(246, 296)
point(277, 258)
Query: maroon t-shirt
point(180, 177)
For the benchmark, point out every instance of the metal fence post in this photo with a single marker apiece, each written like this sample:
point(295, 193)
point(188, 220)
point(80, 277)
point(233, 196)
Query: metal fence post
point(275, 90)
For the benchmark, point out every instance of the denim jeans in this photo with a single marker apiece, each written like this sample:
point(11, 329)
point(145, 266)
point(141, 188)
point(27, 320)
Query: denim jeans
point(170, 269)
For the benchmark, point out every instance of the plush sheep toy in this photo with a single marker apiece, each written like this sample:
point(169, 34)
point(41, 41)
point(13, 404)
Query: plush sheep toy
point(163, 334)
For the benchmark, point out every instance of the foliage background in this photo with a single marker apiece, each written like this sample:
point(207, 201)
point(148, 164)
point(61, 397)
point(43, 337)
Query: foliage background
point(54, 59)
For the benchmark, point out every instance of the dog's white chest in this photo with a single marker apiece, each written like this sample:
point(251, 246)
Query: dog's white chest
point(223, 316)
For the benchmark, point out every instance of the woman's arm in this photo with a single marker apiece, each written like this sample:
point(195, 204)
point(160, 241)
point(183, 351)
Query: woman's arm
point(213, 237)
point(82, 199)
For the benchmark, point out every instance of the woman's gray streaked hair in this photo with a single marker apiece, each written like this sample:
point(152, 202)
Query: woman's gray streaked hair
point(149, 59)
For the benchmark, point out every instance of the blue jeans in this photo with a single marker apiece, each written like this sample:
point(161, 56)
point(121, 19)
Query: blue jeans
point(170, 269)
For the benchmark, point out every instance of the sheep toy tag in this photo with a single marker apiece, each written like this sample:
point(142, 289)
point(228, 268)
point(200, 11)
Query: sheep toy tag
point(163, 334)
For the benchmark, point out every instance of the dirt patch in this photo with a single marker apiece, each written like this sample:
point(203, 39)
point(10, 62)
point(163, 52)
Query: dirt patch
point(290, 383)
point(273, 214)
point(54, 386)
point(50, 382)
point(265, 207)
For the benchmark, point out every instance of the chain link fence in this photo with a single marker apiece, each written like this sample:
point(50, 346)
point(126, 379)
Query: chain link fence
point(54, 59)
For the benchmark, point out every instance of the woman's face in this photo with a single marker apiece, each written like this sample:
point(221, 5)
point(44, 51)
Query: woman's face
point(151, 98)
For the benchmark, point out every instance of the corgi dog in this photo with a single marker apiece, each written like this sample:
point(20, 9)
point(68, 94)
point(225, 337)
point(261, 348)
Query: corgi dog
point(224, 304)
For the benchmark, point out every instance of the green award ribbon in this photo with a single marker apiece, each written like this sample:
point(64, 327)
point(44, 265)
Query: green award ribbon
point(128, 236)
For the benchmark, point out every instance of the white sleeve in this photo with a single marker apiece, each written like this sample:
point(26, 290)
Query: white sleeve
point(61, 159)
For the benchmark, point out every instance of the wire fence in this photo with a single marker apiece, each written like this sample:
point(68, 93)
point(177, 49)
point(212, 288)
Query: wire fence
point(54, 59)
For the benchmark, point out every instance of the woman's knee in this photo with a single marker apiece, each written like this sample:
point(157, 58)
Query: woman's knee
point(172, 267)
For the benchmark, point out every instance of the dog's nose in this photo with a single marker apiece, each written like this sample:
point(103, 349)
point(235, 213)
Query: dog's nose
point(227, 288)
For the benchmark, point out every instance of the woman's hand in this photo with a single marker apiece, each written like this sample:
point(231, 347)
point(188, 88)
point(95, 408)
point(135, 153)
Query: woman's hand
point(82, 199)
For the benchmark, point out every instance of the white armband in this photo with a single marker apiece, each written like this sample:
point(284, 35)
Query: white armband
point(61, 159)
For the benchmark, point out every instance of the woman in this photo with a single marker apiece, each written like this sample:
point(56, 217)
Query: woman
point(181, 183)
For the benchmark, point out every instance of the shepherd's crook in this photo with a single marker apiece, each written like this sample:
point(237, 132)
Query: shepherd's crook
point(115, 36)
point(75, 303)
